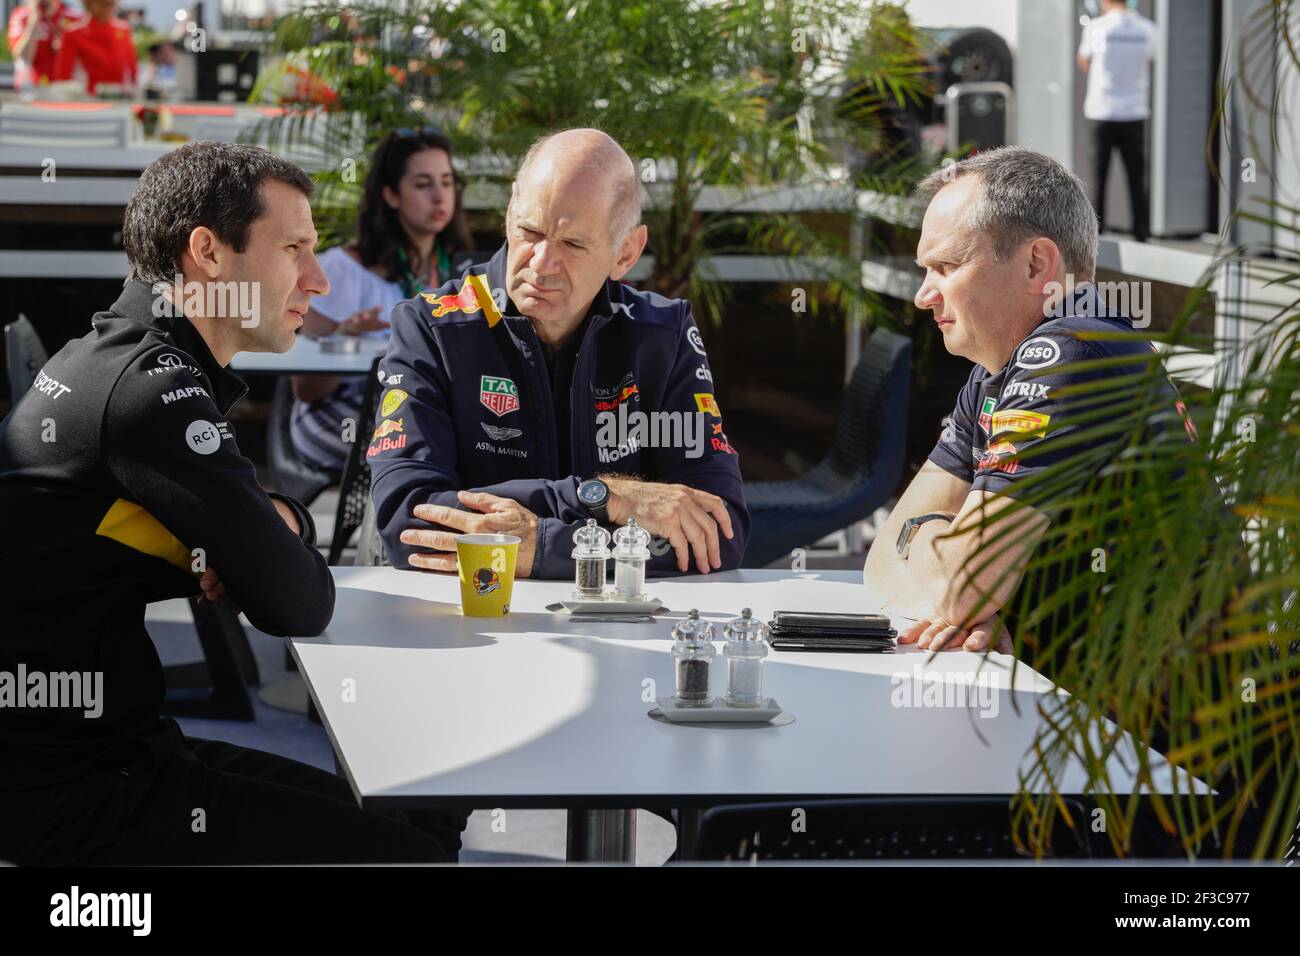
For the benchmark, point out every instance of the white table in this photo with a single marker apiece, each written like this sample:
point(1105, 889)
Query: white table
point(308, 358)
point(533, 711)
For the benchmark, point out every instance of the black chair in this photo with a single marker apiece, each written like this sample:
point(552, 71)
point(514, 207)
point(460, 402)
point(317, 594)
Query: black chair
point(354, 486)
point(291, 474)
point(860, 473)
point(217, 686)
point(350, 514)
point(877, 828)
point(24, 356)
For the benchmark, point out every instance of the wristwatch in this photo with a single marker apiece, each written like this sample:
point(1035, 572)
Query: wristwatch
point(594, 495)
point(910, 527)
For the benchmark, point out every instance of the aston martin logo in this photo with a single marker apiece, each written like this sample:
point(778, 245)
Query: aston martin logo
point(496, 433)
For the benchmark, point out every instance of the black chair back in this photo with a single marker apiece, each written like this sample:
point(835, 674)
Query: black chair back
point(859, 473)
point(872, 412)
point(25, 355)
point(877, 828)
point(291, 474)
point(354, 487)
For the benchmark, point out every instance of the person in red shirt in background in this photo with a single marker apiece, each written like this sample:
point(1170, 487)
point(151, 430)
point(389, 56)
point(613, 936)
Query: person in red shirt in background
point(98, 47)
point(35, 32)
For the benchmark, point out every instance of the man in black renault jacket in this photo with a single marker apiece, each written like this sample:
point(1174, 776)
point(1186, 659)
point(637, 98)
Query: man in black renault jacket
point(121, 484)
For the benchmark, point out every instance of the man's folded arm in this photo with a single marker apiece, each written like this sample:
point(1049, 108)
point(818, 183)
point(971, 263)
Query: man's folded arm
point(906, 584)
point(178, 460)
point(1034, 436)
point(400, 486)
point(973, 566)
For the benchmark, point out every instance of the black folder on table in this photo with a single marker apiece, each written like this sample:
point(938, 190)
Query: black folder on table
point(815, 631)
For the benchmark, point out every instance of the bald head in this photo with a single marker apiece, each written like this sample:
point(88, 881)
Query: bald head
point(590, 160)
point(573, 224)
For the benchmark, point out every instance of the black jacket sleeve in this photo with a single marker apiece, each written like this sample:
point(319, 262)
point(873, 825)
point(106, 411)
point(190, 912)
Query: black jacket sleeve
point(179, 461)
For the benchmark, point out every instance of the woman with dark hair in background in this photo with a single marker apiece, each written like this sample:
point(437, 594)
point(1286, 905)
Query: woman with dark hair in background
point(409, 225)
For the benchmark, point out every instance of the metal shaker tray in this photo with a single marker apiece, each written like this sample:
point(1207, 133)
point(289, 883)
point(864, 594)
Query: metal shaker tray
point(719, 712)
point(573, 606)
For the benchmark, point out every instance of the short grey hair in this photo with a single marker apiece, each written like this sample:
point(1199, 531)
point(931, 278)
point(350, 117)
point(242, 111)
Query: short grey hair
point(628, 199)
point(1025, 195)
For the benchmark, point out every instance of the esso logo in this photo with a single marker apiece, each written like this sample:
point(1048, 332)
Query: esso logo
point(693, 336)
point(202, 437)
point(1038, 353)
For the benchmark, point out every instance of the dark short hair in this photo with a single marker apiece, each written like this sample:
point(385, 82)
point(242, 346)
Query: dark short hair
point(217, 185)
point(380, 233)
point(1025, 194)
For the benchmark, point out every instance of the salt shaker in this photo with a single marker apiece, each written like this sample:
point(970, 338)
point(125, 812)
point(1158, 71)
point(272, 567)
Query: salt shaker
point(745, 649)
point(591, 554)
point(693, 649)
point(631, 552)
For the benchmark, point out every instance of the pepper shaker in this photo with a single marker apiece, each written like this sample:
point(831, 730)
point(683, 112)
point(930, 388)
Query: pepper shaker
point(745, 649)
point(591, 552)
point(693, 650)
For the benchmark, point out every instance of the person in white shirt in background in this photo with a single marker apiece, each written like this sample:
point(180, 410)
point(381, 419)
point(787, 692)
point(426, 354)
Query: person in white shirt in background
point(409, 225)
point(1116, 51)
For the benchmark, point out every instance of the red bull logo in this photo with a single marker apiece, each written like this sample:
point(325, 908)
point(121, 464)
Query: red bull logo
point(999, 457)
point(380, 442)
point(387, 427)
point(474, 295)
point(463, 301)
point(608, 405)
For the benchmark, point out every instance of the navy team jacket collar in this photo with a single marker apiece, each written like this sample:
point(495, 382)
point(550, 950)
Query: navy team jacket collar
point(1080, 301)
point(137, 304)
point(1085, 301)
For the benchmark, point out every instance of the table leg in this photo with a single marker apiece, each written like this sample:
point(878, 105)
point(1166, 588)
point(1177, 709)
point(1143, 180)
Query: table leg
point(688, 834)
point(602, 836)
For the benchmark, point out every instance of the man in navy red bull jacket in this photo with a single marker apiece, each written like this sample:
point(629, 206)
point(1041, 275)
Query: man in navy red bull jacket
point(1009, 248)
point(541, 391)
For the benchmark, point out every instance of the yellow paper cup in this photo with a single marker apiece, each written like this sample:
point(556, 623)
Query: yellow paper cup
point(486, 565)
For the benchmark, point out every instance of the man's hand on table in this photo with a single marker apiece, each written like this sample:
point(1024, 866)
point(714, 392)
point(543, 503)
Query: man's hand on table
point(498, 516)
point(935, 634)
point(688, 518)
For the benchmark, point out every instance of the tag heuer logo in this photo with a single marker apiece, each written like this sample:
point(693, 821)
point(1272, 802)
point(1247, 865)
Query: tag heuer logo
point(498, 395)
point(986, 414)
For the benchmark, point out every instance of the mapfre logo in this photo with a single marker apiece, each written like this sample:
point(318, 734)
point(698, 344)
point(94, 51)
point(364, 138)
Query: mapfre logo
point(180, 394)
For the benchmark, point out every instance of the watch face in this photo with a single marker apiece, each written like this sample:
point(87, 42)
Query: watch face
point(592, 492)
